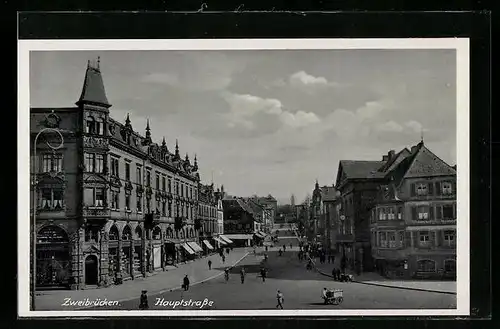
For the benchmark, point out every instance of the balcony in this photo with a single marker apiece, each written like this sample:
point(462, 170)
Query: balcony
point(95, 142)
point(91, 211)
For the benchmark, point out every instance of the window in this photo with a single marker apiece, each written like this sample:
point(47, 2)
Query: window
point(148, 178)
point(182, 190)
point(94, 197)
point(91, 234)
point(127, 171)
point(127, 202)
point(89, 162)
point(170, 209)
point(163, 185)
point(390, 214)
point(450, 265)
point(99, 126)
point(426, 265)
point(191, 192)
point(382, 215)
point(169, 186)
point(424, 239)
point(423, 213)
point(138, 174)
point(114, 167)
point(446, 188)
point(449, 238)
point(157, 185)
point(401, 239)
point(90, 126)
point(177, 188)
point(383, 239)
point(422, 189)
point(115, 197)
point(148, 205)
point(51, 162)
point(51, 199)
point(164, 208)
point(448, 212)
point(99, 163)
point(400, 213)
point(139, 204)
point(392, 239)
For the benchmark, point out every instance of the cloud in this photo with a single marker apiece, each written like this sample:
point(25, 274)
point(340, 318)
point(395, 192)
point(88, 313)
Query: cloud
point(390, 126)
point(415, 125)
point(162, 78)
point(302, 78)
point(253, 112)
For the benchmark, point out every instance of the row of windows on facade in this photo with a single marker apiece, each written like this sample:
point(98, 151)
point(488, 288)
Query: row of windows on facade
point(423, 212)
point(432, 188)
point(92, 234)
point(94, 162)
point(393, 239)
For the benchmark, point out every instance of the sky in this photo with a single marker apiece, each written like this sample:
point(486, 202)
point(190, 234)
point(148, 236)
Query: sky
point(269, 122)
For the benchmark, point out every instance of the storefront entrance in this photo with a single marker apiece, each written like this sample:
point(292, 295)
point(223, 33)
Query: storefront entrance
point(91, 270)
point(52, 257)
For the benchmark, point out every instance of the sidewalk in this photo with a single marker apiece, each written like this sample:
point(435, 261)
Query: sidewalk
point(197, 272)
point(371, 278)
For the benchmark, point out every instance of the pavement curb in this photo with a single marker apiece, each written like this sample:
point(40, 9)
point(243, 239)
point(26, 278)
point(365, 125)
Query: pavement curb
point(175, 288)
point(389, 286)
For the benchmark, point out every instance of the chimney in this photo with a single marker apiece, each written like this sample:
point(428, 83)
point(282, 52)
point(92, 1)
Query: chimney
point(385, 158)
point(391, 154)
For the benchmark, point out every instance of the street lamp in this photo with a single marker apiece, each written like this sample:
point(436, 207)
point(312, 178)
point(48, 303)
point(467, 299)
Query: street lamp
point(33, 228)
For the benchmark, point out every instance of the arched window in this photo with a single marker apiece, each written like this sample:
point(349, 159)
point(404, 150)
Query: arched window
point(191, 233)
point(113, 233)
point(127, 233)
point(426, 265)
point(52, 234)
point(157, 233)
point(138, 232)
point(450, 265)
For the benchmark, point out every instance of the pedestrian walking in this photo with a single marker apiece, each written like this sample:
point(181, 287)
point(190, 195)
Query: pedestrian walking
point(226, 274)
point(263, 274)
point(209, 264)
point(279, 297)
point(186, 283)
point(242, 275)
point(266, 248)
point(280, 252)
point(143, 304)
point(284, 247)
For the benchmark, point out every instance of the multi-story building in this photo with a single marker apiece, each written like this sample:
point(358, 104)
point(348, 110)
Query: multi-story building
point(270, 203)
point(322, 215)
point(240, 221)
point(207, 216)
point(111, 204)
point(413, 224)
point(357, 183)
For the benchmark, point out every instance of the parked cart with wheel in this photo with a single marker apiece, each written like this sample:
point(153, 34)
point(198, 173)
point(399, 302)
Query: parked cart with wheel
point(334, 297)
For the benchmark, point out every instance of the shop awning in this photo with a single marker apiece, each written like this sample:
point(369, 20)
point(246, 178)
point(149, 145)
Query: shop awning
point(225, 239)
point(220, 241)
point(195, 246)
point(209, 246)
point(237, 237)
point(188, 249)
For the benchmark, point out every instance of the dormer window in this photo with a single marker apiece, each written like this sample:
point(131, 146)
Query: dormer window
point(422, 189)
point(446, 188)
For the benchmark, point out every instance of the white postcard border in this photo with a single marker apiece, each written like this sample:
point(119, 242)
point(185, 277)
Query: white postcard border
point(462, 93)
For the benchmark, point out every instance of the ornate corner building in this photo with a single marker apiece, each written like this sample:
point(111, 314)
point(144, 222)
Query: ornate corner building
point(111, 204)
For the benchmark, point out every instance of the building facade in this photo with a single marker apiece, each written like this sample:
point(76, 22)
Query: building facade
point(413, 224)
point(207, 220)
point(111, 204)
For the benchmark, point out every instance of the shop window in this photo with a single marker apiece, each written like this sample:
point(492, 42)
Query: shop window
point(450, 265)
point(426, 265)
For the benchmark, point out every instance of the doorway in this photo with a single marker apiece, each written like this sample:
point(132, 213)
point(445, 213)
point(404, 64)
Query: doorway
point(91, 270)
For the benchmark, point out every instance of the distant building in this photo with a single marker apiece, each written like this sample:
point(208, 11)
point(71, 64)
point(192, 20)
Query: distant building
point(322, 209)
point(207, 220)
point(240, 221)
point(271, 204)
point(413, 222)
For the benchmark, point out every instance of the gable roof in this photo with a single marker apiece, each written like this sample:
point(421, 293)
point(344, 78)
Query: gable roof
point(391, 164)
point(354, 169)
point(93, 88)
point(328, 193)
point(420, 163)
